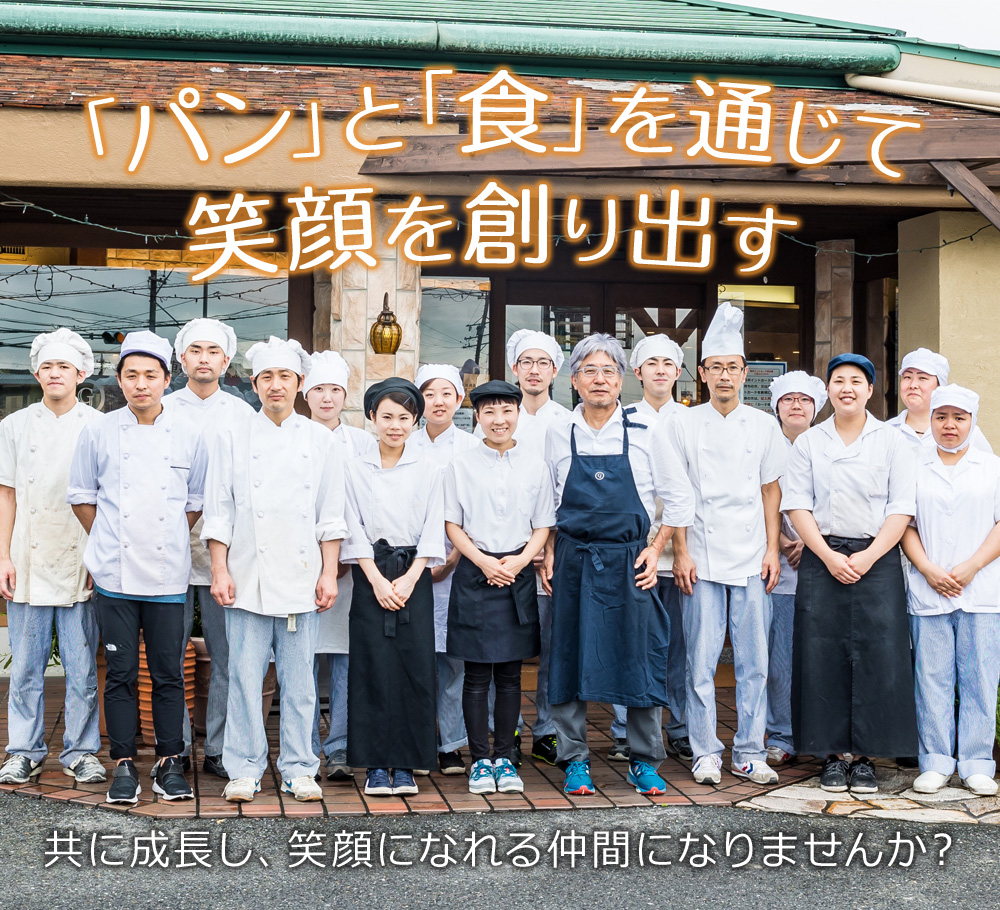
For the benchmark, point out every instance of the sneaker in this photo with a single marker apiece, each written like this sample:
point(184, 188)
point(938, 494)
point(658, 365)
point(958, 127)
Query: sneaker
point(759, 772)
point(185, 761)
point(421, 772)
point(403, 783)
point(451, 762)
point(578, 780)
point(644, 778)
point(481, 779)
point(170, 782)
point(337, 767)
point(213, 765)
point(378, 782)
point(516, 755)
point(19, 769)
point(619, 751)
point(507, 778)
point(124, 784)
point(930, 782)
point(241, 790)
point(544, 749)
point(861, 777)
point(834, 776)
point(680, 749)
point(778, 756)
point(981, 784)
point(87, 770)
point(707, 770)
point(304, 788)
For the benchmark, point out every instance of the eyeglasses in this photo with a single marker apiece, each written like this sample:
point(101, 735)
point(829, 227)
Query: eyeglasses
point(592, 372)
point(795, 399)
point(527, 363)
point(717, 369)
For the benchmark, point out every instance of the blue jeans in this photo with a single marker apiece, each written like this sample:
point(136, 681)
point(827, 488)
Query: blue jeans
point(337, 736)
point(450, 718)
point(779, 673)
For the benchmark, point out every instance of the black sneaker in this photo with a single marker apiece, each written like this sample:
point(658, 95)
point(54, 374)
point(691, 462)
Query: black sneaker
point(680, 749)
point(619, 751)
point(213, 765)
point(834, 776)
point(170, 782)
point(544, 749)
point(185, 761)
point(861, 777)
point(124, 784)
point(451, 762)
point(516, 755)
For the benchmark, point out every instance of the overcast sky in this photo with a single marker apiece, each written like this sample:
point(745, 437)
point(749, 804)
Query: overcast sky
point(974, 23)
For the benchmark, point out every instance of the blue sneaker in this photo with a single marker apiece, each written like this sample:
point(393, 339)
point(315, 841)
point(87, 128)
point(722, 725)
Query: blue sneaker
point(378, 782)
point(578, 780)
point(481, 779)
point(403, 783)
point(644, 778)
point(507, 778)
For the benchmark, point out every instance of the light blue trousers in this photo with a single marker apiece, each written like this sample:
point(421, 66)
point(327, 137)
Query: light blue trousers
point(30, 630)
point(337, 735)
point(213, 627)
point(704, 618)
point(252, 636)
point(960, 649)
point(779, 673)
point(450, 717)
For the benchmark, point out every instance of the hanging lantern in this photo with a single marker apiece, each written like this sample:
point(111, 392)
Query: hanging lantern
point(386, 333)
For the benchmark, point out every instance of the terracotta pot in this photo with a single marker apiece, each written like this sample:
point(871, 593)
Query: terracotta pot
point(202, 678)
point(145, 689)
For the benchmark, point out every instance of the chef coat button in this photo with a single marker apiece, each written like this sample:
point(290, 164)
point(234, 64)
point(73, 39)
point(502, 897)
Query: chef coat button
point(34, 546)
point(125, 485)
point(166, 457)
point(260, 514)
point(256, 455)
point(125, 545)
point(33, 448)
point(163, 486)
point(31, 480)
point(125, 455)
point(262, 549)
point(709, 530)
point(749, 448)
point(33, 511)
point(256, 483)
point(159, 546)
point(168, 429)
point(748, 528)
point(951, 540)
point(162, 517)
point(124, 514)
point(308, 485)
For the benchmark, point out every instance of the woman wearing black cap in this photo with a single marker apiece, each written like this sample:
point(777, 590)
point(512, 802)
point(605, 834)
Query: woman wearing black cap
point(395, 515)
point(850, 493)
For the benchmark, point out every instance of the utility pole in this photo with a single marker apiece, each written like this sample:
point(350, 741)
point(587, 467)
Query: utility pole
point(152, 300)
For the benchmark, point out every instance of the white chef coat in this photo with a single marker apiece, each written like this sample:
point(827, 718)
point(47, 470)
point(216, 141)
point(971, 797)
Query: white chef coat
point(851, 490)
point(728, 460)
point(957, 507)
point(402, 505)
point(789, 579)
point(273, 493)
point(36, 448)
point(334, 624)
point(979, 441)
point(210, 415)
point(143, 480)
point(498, 499)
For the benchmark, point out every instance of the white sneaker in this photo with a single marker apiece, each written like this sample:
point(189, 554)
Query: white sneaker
point(87, 769)
point(778, 756)
point(241, 790)
point(757, 771)
point(305, 789)
point(481, 777)
point(19, 769)
point(980, 784)
point(931, 782)
point(707, 769)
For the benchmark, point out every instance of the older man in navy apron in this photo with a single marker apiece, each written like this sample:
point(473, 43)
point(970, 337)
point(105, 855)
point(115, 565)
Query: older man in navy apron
point(609, 628)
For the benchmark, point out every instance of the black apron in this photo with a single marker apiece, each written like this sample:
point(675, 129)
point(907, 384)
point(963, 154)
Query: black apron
point(488, 624)
point(852, 678)
point(609, 638)
point(391, 685)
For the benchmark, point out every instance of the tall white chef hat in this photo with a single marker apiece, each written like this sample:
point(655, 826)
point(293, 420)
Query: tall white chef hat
point(725, 333)
point(957, 397)
point(149, 343)
point(208, 331)
point(800, 382)
point(444, 371)
point(62, 344)
point(927, 361)
point(278, 354)
point(529, 339)
point(327, 368)
point(656, 346)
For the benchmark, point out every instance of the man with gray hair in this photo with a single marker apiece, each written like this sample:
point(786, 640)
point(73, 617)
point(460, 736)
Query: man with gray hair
point(609, 628)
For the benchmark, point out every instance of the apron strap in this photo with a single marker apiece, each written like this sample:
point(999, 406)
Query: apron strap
point(572, 439)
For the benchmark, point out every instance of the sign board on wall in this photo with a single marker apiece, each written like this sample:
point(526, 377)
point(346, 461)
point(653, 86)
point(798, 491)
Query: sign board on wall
point(756, 391)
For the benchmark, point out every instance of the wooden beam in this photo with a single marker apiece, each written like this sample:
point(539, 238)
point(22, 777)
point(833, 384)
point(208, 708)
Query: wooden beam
point(978, 194)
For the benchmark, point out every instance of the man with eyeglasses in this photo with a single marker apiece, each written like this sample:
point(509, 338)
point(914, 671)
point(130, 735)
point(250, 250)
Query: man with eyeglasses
point(734, 456)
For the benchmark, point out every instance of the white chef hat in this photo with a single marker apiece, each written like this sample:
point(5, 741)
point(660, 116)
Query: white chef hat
point(927, 361)
point(798, 381)
point(209, 331)
point(957, 397)
point(445, 371)
point(278, 354)
point(62, 344)
point(149, 343)
point(725, 333)
point(327, 367)
point(656, 346)
point(529, 339)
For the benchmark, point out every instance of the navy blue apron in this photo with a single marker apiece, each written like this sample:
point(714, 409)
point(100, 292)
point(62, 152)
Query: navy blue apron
point(609, 638)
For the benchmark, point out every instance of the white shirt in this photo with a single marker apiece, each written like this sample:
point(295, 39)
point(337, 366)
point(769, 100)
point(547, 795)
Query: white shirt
point(498, 499)
point(728, 460)
point(531, 428)
point(209, 415)
point(143, 480)
point(957, 507)
point(851, 490)
point(789, 579)
point(273, 493)
point(402, 505)
point(36, 448)
point(979, 441)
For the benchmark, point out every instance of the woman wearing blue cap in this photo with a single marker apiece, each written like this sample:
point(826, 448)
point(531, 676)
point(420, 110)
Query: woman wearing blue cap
point(850, 492)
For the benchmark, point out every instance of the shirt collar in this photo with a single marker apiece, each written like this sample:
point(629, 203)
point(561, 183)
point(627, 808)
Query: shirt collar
point(128, 416)
point(614, 422)
point(493, 457)
point(424, 438)
point(411, 454)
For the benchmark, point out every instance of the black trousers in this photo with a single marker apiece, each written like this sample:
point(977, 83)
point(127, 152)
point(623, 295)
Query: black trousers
point(475, 707)
point(162, 626)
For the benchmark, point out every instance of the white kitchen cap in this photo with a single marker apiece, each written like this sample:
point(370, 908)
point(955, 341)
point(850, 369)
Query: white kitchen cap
point(62, 344)
point(278, 354)
point(529, 339)
point(656, 346)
